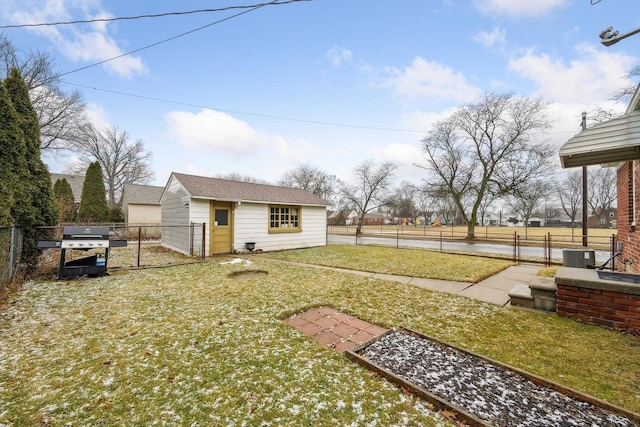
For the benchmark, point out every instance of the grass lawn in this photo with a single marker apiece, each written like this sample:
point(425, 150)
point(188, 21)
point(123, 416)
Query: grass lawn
point(188, 345)
point(404, 262)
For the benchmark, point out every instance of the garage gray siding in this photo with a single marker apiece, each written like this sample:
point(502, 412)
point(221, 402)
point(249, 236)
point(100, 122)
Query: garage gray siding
point(174, 212)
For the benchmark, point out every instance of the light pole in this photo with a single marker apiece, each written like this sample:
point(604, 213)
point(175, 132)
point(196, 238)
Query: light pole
point(610, 37)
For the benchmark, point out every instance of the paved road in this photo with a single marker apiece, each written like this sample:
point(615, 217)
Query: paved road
point(447, 245)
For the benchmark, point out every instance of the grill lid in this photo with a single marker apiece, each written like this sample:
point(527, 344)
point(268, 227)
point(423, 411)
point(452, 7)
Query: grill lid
point(85, 233)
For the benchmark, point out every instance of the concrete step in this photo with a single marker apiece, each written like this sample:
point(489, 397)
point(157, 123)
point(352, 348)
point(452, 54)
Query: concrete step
point(543, 285)
point(543, 290)
point(521, 295)
point(544, 303)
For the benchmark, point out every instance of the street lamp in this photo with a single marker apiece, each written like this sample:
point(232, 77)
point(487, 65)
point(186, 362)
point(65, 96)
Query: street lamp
point(610, 37)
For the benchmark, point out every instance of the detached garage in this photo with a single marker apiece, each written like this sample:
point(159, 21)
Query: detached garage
point(237, 214)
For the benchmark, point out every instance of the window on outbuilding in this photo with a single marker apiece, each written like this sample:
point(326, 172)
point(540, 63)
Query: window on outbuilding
point(284, 219)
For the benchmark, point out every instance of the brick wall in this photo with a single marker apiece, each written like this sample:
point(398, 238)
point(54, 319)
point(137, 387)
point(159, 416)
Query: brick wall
point(611, 309)
point(628, 232)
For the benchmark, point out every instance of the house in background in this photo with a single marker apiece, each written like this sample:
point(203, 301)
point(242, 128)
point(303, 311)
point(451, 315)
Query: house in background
point(141, 204)
point(616, 143)
point(603, 218)
point(236, 214)
point(75, 181)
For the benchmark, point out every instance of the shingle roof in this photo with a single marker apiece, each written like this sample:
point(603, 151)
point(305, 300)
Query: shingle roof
point(75, 181)
point(236, 191)
point(141, 194)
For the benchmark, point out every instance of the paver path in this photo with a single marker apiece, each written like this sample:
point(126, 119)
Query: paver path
point(335, 329)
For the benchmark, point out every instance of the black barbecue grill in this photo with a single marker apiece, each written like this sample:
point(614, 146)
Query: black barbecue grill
point(84, 239)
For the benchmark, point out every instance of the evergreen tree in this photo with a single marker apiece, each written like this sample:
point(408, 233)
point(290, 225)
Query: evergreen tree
point(93, 207)
point(64, 197)
point(12, 162)
point(11, 150)
point(38, 208)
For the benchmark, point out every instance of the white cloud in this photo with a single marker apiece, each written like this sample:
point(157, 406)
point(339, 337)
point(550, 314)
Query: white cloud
point(591, 78)
point(97, 115)
point(337, 55)
point(400, 154)
point(518, 7)
point(424, 79)
point(92, 45)
point(494, 38)
point(421, 120)
point(213, 130)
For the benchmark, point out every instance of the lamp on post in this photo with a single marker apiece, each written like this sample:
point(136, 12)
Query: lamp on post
point(610, 36)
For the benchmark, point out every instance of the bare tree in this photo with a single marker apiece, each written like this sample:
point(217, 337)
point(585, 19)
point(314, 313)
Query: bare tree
point(237, 176)
point(401, 201)
point(570, 193)
point(485, 204)
point(61, 115)
point(525, 199)
point(370, 190)
point(425, 203)
point(444, 206)
point(122, 161)
point(487, 146)
point(626, 93)
point(602, 188)
point(311, 178)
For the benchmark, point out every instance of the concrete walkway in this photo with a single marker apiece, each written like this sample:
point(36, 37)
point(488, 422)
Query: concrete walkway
point(494, 289)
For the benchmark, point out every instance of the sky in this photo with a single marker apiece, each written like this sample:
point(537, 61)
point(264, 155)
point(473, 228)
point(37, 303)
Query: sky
point(330, 83)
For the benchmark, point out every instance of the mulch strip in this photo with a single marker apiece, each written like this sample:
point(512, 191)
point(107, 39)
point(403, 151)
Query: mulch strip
point(481, 391)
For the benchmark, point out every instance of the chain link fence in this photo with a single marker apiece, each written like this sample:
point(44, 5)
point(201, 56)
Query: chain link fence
point(147, 246)
point(10, 250)
point(521, 245)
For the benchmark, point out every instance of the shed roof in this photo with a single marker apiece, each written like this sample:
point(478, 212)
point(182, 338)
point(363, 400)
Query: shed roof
point(236, 191)
point(614, 141)
point(75, 181)
point(142, 194)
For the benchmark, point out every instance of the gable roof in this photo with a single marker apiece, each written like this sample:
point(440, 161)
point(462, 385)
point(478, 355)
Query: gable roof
point(613, 141)
point(200, 187)
point(75, 181)
point(141, 194)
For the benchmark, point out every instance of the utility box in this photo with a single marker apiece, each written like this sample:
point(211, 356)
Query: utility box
point(579, 258)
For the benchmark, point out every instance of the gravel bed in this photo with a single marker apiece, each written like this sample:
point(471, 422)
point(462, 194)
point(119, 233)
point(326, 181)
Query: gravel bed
point(495, 395)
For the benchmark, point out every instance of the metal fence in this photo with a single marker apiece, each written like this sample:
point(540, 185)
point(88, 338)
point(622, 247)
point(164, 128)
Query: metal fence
point(519, 246)
point(10, 250)
point(147, 246)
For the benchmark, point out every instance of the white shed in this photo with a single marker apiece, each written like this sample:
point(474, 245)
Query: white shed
point(238, 213)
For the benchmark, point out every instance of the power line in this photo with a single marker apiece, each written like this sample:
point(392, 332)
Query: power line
point(274, 2)
point(159, 15)
point(267, 116)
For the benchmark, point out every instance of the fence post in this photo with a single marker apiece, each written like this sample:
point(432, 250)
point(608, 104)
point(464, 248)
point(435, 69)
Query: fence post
point(192, 227)
point(139, 243)
point(515, 245)
point(12, 241)
point(613, 252)
point(204, 243)
point(440, 240)
point(397, 239)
